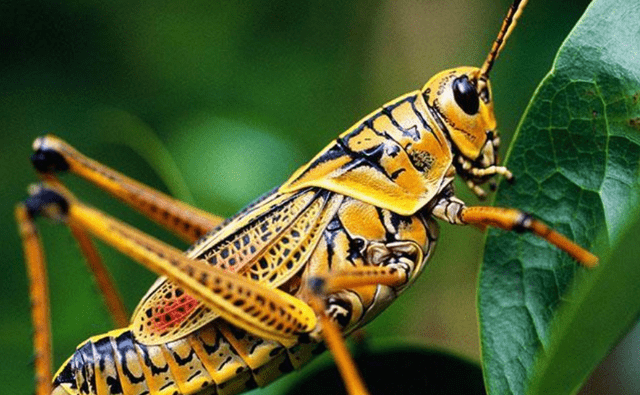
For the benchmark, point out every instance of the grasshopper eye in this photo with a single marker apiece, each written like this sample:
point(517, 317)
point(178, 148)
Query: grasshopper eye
point(465, 95)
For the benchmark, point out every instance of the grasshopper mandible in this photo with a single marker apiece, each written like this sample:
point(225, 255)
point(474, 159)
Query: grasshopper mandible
point(313, 259)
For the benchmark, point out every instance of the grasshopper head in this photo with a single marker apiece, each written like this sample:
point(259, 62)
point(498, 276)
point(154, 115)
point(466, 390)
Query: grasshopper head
point(463, 104)
point(462, 101)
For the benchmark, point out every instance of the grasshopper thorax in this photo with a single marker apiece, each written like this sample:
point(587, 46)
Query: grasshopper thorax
point(463, 105)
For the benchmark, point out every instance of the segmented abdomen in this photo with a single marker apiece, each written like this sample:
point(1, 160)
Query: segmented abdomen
point(216, 359)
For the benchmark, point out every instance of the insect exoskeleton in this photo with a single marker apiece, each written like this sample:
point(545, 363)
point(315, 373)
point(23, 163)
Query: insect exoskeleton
point(322, 254)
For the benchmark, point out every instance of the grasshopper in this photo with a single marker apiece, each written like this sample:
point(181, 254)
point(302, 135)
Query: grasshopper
point(312, 260)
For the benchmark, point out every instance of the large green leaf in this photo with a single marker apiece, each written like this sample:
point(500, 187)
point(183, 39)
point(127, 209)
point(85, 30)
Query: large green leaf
point(576, 161)
point(582, 334)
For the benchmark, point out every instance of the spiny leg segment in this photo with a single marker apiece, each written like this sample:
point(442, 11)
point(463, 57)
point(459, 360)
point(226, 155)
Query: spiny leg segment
point(52, 155)
point(516, 220)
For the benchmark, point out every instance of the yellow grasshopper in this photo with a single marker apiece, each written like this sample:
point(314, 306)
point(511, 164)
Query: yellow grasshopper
point(312, 260)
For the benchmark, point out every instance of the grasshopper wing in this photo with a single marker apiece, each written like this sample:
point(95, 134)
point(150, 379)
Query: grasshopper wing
point(269, 242)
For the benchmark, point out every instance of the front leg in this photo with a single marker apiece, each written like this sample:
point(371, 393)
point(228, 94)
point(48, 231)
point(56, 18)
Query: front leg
point(453, 210)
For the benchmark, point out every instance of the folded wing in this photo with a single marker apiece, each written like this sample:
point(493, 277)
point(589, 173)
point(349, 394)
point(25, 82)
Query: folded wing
point(269, 242)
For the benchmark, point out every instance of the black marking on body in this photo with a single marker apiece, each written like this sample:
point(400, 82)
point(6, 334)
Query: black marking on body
point(368, 158)
point(105, 352)
point(368, 123)
point(78, 367)
point(392, 150)
point(435, 114)
point(166, 385)
point(340, 148)
point(226, 361)
point(391, 222)
point(393, 106)
point(238, 333)
point(422, 161)
point(124, 342)
point(335, 152)
point(329, 235)
point(89, 375)
point(397, 173)
point(115, 387)
point(255, 345)
point(354, 251)
point(397, 221)
point(194, 375)
point(424, 121)
point(66, 376)
point(155, 370)
point(388, 235)
point(425, 124)
point(387, 111)
point(412, 133)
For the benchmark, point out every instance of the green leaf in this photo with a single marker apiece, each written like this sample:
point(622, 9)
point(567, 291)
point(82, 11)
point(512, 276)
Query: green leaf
point(576, 160)
point(603, 306)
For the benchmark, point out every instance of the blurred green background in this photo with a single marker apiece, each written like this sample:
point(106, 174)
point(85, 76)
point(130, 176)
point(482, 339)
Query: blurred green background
point(216, 103)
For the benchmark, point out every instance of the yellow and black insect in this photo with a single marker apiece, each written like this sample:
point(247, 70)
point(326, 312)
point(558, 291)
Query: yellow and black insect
point(313, 259)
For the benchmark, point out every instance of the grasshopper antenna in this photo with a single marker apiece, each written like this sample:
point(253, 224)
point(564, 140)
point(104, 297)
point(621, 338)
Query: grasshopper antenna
point(505, 31)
